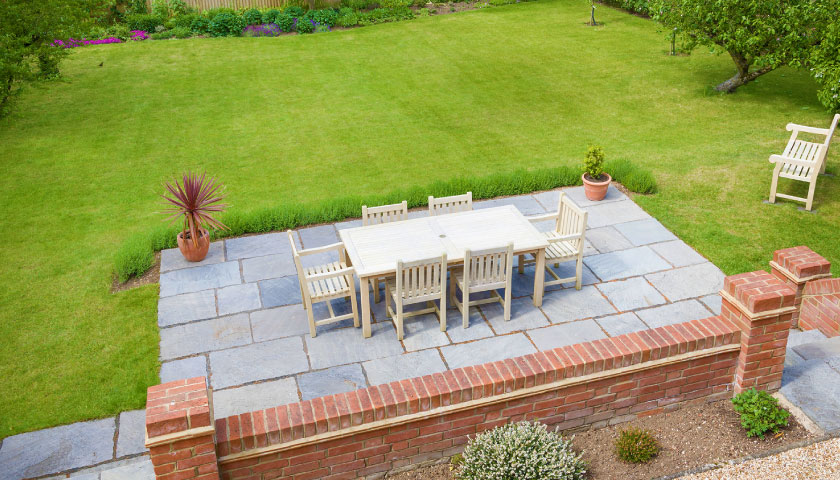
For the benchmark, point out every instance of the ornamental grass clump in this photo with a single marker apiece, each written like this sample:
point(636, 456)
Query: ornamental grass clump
point(760, 412)
point(195, 200)
point(521, 451)
point(634, 445)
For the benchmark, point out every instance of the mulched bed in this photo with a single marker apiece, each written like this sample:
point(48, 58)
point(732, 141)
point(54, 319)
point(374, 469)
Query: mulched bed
point(691, 437)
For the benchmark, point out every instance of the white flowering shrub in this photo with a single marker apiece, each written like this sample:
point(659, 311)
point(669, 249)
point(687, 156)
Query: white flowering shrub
point(521, 451)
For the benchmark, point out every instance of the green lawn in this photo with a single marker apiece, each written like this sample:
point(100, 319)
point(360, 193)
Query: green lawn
point(360, 111)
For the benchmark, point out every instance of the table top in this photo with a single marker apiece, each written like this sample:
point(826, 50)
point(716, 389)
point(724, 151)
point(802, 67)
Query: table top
point(375, 249)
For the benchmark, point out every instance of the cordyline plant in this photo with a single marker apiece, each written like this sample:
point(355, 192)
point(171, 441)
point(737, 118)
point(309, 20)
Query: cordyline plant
point(196, 198)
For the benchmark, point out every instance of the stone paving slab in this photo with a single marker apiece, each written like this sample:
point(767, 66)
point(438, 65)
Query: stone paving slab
point(318, 236)
point(688, 282)
point(526, 204)
point(257, 396)
point(566, 334)
point(678, 253)
point(54, 450)
point(569, 305)
point(644, 232)
point(259, 361)
point(173, 259)
point(267, 267)
point(801, 337)
point(820, 350)
point(186, 308)
point(625, 263)
point(190, 280)
point(613, 213)
point(343, 346)
point(672, 313)
point(631, 294)
point(423, 331)
point(286, 321)
point(280, 291)
point(523, 316)
point(190, 367)
point(126, 467)
point(487, 350)
point(140, 470)
point(344, 378)
point(550, 198)
point(258, 246)
point(410, 365)
point(814, 387)
point(713, 302)
point(238, 298)
point(607, 239)
point(478, 327)
point(204, 336)
point(131, 433)
point(621, 324)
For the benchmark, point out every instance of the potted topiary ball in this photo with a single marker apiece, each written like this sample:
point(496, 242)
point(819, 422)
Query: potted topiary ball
point(595, 180)
point(196, 200)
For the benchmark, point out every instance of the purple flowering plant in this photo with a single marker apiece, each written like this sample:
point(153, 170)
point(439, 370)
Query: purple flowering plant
point(136, 35)
point(264, 30)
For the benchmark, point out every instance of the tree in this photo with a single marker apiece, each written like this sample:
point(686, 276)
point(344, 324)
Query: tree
point(759, 35)
point(27, 32)
point(824, 63)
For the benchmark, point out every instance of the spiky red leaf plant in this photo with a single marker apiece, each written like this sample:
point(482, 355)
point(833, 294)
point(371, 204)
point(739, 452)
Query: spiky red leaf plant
point(196, 198)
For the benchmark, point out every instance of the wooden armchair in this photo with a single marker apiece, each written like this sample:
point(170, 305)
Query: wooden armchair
point(383, 214)
point(484, 270)
point(417, 282)
point(565, 242)
point(802, 161)
point(453, 204)
point(323, 283)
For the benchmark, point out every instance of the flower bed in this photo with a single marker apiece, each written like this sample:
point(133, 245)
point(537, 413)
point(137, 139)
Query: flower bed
point(136, 35)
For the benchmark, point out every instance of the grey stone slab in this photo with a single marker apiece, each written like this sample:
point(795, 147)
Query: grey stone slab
point(258, 396)
point(613, 213)
point(621, 324)
point(550, 198)
point(423, 331)
point(607, 239)
point(792, 358)
point(672, 313)
point(523, 284)
point(286, 321)
point(348, 224)
point(270, 266)
point(260, 361)
point(92, 473)
point(318, 236)
point(487, 350)
point(53, 450)
point(204, 336)
point(567, 270)
point(141, 469)
point(190, 367)
point(238, 298)
point(625, 263)
point(258, 246)
point(78, 476)
point(455, 326)
point(819, 350)
point(567, 334)
point(713, 302)
point(801, 337)
point(523, 316)
point(173, 259)
point(280, 291)
point(688, 282)
point(347, 345)
point(400, 367)
point(631, 294)
point(678, 253)
point(190, 280)
point(834, 362)
point(815, 388)
point(643, 232)
point(345, 378)
point(526, 204)
point(131, 433)
point(186, 308)
point(570, 304)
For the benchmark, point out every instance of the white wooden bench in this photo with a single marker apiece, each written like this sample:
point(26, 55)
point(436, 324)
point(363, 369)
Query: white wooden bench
point(802, 161)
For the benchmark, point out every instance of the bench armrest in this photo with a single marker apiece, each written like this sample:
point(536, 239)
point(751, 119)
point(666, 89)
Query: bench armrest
point(804, 128)
point(542, 218)
point(565, 238)
point(792, 161)
point(326, 248)
point(337, 273)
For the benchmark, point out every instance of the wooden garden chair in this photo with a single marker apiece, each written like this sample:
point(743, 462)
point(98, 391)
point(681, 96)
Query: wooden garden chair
point(484, 270)
point(417, 282)
point(383, 214)
point(323, 283)
point(565, 242)
point(453, 204)
point(802, 161)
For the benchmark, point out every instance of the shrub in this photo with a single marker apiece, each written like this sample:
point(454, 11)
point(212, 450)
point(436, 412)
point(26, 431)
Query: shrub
point(178, 7)
point(303, 25)
point(524, 451)
point(119, 31)
point(136, 6)
point(200, 25)
point(226, 25)
point(143, 21)
point(164, 35)
point(593, 163)
point(252, 16)
point(181, 32)
point(285, 22)
point(636, 446)
point(160, 8)
point(270, 16)
point(361, 4)
point(423, 12)
point(264, 30)
point(215, 11)
point(294, 11)
point(327, 16)
point(185, 20)
point(348, 20)
point(760, 412)
point(395, 3)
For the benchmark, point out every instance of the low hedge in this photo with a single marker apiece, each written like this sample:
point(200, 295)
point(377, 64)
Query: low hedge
point(136, 255)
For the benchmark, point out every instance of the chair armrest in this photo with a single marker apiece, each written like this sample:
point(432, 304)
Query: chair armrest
point(326, 248)
point(793, 161)
point(542, 218)
point(565, 238)
point(337, 273)
point(804, 128)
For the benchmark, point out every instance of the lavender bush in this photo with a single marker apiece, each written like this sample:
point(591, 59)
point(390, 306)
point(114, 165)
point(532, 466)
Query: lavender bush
point(264, 30)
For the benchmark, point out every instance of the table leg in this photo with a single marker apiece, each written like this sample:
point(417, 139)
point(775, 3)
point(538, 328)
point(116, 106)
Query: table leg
point(365, 290)
point(539, 278)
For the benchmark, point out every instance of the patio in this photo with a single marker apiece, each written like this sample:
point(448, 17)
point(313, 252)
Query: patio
point(237, 316)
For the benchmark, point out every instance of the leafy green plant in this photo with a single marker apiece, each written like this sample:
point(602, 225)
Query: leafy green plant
point(423, 12)
point(760, 412)
point(285, 21)
point(636, 445)
point(226, 25)
point(348, 19)
point(593, 163)
point(305, 25)
point(252, 16)
point(395, 3)
point(522, 451)
point(143, 21)
point(211, 13)
point(361, 4)
point(200, 25)
point(270, 16)
point(178, 7)
point(195, 201)
point(160, 8)
point(162, 35)
point(327, 16)
point(181, 32)
point(294, 11)
point(184, 20)
point(136, 6)
point(118, 30)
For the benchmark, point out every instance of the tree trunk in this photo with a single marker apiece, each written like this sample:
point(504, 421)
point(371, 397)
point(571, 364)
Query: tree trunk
point(742, 75)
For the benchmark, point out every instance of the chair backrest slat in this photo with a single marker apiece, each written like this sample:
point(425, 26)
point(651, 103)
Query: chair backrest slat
point(488, 266)
point(419, 278)
point(571, 220)
point(384, 213)
point(453, 204)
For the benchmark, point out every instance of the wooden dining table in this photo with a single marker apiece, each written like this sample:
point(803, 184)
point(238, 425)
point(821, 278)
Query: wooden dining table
point(374, 250)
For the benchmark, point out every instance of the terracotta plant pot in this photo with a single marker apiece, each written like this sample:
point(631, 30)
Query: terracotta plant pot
point(596, 191)
point(190, 251)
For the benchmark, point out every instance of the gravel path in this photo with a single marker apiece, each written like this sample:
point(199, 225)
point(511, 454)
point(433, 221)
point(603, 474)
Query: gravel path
point(819, 461)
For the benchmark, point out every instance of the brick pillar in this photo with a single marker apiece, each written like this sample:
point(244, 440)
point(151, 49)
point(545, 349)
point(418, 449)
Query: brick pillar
point(179, 431)
point(760, 305)
point(796, 266)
